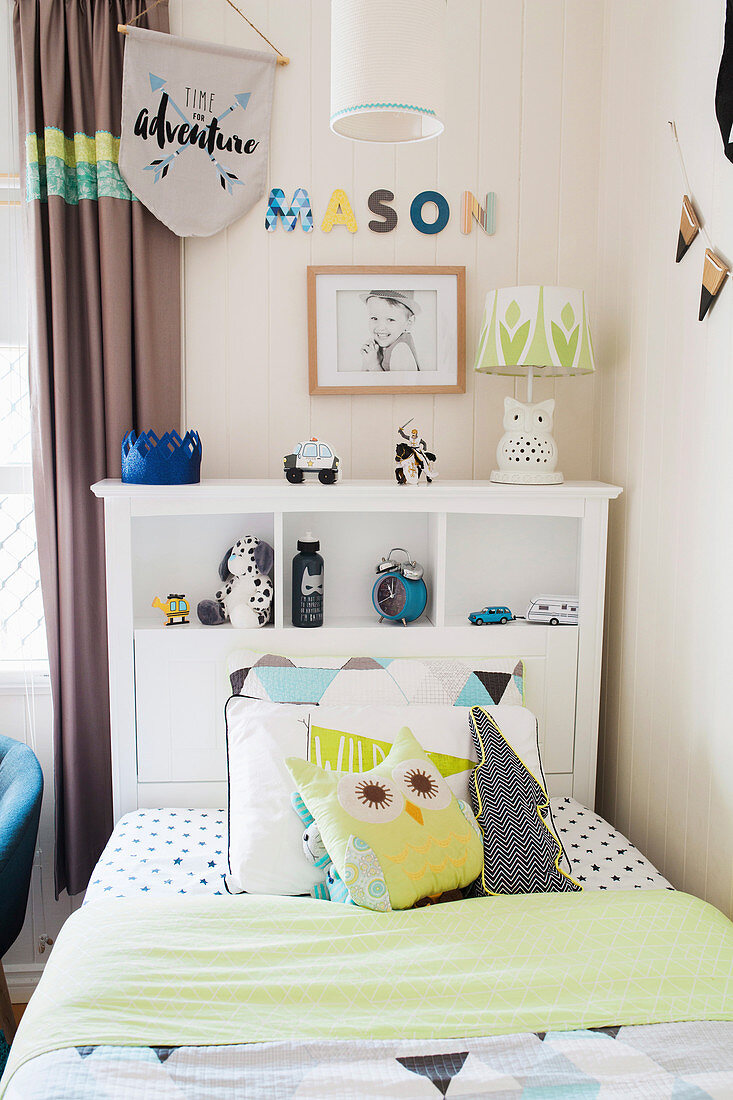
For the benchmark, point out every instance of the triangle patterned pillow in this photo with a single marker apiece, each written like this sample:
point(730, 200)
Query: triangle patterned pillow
point(456, 681)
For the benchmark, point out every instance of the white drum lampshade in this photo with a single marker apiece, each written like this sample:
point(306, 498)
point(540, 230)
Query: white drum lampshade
point(387, 69)
point(532, 330)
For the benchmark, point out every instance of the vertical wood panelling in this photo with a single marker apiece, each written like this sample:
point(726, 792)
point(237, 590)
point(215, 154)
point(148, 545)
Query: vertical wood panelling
point(661, 399)
point(332, 166)
point(499, 167)
point(372, 427)
point(458, 156)
point(539, 194)
point(246, 400)
point(719, 403)
point(577, 218)
point(284, 365)
point(522, 68)
point(539, 191)
point(205, 328)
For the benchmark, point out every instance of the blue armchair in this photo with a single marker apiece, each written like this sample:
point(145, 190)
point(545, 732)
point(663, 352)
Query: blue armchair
point(21, 788)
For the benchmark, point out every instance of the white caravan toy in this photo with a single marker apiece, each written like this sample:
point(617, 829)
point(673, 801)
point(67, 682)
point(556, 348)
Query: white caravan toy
point(554, 610)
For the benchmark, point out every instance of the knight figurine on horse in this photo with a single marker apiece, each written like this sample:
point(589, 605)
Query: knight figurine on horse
point(412, 458)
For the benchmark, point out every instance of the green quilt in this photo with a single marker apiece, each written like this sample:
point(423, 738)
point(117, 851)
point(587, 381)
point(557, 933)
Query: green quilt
point(200, 970)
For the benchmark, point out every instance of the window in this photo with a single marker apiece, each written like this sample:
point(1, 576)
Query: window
point(22, 632)
point(324, 451)
point(310, 450)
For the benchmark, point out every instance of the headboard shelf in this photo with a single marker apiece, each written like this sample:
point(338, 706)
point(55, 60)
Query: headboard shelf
point(212, 497)
point(480, 543)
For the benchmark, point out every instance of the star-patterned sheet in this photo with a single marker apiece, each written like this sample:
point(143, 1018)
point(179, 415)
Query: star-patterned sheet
point(178, 851)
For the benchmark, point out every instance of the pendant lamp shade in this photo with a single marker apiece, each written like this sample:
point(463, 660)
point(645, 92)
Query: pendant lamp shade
point(543, 327)
point(387, 69)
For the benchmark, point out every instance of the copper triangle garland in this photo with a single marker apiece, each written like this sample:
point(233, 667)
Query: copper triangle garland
point(689, 227)
point(715, 272)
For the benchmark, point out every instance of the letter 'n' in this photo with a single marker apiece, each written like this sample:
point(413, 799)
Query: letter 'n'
point(472, 210)
point(299, 207)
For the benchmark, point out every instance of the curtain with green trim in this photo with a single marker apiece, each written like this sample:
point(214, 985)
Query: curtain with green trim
point(81, 166)
point(104, 357)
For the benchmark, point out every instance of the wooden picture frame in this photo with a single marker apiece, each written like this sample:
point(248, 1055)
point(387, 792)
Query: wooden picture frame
point(414, 342)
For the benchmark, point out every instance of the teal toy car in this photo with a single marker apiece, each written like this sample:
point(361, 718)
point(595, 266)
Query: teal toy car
point(486, 615)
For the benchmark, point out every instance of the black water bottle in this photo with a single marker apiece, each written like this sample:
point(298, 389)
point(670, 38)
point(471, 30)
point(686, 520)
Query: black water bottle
point(308, 583)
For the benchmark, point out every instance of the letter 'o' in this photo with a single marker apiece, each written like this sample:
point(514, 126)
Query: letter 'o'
point(417, 207)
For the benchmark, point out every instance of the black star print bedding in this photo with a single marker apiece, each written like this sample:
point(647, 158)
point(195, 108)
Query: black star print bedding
point(185, 852)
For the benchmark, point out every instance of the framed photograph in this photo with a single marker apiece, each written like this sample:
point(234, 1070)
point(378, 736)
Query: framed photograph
point(387, 329)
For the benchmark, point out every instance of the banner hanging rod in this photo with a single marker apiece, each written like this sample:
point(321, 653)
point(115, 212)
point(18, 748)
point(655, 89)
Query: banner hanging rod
point(123, 28)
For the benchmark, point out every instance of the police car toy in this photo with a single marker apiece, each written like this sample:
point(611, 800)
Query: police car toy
point(313, 456)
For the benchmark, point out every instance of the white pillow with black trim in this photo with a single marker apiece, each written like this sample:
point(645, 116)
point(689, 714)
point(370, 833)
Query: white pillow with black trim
point(265, 834)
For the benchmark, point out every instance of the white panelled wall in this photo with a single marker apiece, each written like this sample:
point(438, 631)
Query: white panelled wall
point(663, 431)
point(561, 108)
point(522, 120)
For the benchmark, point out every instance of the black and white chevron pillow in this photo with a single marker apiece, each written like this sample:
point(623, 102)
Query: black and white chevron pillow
point(521, 851)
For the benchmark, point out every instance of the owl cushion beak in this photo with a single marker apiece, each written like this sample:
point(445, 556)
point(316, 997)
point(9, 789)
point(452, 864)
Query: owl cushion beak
point(414, 811)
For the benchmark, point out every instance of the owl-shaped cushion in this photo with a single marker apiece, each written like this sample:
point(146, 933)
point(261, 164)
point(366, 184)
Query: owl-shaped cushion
point(396, 833)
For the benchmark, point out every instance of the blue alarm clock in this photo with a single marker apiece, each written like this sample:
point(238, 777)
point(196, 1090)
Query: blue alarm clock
point(399, 592)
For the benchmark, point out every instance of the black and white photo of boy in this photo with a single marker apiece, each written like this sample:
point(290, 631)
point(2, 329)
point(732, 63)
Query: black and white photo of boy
point(388, 330)
point(390, 318)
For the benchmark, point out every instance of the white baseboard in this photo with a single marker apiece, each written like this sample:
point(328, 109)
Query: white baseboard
point(22, 979)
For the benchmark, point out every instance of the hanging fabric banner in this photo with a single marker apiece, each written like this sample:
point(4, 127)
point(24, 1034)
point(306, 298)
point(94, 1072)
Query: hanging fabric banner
point(195, 129)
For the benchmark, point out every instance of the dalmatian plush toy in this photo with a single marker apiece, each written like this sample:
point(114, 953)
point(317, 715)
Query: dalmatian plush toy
point(246, 594)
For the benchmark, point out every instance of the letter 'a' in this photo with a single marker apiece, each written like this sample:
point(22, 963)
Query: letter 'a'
point(339, 212)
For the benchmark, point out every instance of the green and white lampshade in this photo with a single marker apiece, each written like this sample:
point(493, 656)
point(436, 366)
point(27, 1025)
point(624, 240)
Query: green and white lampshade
point(387, 69)
point(543, 327)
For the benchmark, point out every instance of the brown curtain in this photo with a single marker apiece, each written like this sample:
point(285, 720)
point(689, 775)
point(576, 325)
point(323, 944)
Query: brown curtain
point(104, 358)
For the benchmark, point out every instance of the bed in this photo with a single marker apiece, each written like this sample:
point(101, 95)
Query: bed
point(164, 985)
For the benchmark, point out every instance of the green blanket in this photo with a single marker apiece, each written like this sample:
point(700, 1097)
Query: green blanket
point(200, 970)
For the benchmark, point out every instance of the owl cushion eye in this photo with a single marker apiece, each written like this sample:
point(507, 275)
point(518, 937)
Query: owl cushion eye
point(422, 784)
point(374, 798)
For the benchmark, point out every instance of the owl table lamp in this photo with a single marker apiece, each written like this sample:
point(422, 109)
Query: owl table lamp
point(528, 329)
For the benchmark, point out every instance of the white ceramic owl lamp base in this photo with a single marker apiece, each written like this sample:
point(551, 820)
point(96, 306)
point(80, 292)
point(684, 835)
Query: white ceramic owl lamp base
point(527, 452)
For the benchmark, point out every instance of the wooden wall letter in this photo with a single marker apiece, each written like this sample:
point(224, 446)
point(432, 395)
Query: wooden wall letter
point(278, 208)
point(339, 212)
point(472, 210)
point(443, 212)
point(377, 203)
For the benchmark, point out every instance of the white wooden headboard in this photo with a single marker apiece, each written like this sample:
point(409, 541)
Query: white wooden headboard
point(480, 543)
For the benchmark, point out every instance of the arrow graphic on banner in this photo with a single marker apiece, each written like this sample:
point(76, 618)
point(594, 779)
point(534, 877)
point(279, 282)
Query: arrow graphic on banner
point(161, 167)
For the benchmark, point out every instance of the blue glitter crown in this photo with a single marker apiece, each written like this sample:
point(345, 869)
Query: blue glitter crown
point(170, 460)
